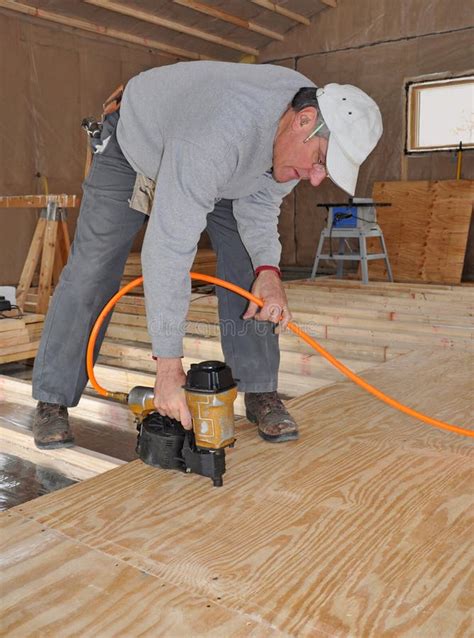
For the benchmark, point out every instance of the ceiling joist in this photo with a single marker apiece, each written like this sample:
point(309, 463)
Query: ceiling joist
point(227, 17)
point(278, 8)
point(91, 27)
point(123, 9)
point(129, 22)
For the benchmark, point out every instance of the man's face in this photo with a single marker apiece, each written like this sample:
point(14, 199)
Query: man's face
point(293, 158)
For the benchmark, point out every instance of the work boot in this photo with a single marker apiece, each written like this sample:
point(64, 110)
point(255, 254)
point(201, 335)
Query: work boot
point(51, 426)
point(274, 422)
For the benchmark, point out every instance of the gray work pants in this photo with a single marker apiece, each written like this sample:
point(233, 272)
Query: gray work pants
point(104, 235)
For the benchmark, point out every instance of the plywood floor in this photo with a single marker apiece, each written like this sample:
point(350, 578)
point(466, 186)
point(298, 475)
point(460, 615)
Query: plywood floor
point(361, 528)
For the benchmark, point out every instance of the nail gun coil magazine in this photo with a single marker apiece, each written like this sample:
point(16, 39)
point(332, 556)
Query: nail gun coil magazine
point(160, 442)
point(163, 442)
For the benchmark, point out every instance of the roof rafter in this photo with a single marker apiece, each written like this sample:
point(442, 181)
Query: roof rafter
point(283, 11)
point(227, 17)
point(118, 7)
point(91, 27)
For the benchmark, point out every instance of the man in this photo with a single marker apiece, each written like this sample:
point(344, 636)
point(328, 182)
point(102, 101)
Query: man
point(223, 143)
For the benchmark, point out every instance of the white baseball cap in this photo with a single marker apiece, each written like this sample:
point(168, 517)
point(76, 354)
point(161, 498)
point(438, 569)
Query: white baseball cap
point(355, 126)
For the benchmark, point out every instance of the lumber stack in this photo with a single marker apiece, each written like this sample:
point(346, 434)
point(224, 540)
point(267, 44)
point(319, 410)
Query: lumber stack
point(19, 338)
point(426, 229)
point(204, 263)
point(361, 325)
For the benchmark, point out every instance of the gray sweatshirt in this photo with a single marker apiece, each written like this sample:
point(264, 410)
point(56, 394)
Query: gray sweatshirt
point(203, 131)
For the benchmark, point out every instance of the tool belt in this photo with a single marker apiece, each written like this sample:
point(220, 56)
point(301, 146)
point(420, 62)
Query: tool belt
point(91, 125)
point(144, 188)
point(112, 103)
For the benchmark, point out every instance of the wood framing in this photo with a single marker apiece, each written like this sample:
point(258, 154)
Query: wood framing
point(227, 17)
point(119, 7)
point(282, 10)
point(76, 462)
point(91, 27)
point(92, 408)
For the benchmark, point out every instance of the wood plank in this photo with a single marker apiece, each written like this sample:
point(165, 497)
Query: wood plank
point(19, 338)
point(39, 201)
point(127, 601)
point(215, 12)
point(307, 373)
point(12, 338)
point(204, 262)
point(19, 356)
point(385, 336)
point(94, 409)
point(283, 11)
point(425, 229)
point(310, 314)
point(75, 462)
point(19, 352)
point(408, 292)
point(350, 531)
point(291, 343)
point(86, 25)
point(152, 18)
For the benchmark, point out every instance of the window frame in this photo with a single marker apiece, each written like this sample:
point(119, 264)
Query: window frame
point(413, 91)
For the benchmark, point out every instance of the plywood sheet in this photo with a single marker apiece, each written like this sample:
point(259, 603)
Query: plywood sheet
point(361, 528)
point(425, 229)
point(127, 601)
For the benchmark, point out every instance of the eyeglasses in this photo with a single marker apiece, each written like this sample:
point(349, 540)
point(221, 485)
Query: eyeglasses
point(316, 130)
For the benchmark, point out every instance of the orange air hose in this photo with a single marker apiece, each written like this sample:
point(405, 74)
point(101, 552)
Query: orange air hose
point(298, 332)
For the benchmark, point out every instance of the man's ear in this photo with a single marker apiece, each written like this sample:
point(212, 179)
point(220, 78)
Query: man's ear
point(305, 120)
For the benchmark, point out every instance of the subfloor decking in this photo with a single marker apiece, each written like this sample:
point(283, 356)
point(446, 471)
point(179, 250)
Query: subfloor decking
point(363, 527)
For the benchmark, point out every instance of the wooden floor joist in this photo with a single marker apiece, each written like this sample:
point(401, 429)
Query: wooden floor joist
point(76, 462)
point(95, 409)
point(360, 528)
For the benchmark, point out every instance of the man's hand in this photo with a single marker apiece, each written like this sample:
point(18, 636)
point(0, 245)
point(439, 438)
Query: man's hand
point(170, 399)
point(269, 288)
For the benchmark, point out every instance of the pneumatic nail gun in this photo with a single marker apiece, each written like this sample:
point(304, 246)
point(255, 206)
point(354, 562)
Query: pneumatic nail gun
point(163, 442)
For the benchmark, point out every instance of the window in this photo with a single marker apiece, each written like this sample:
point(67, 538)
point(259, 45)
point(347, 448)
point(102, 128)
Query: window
point(440, 115)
